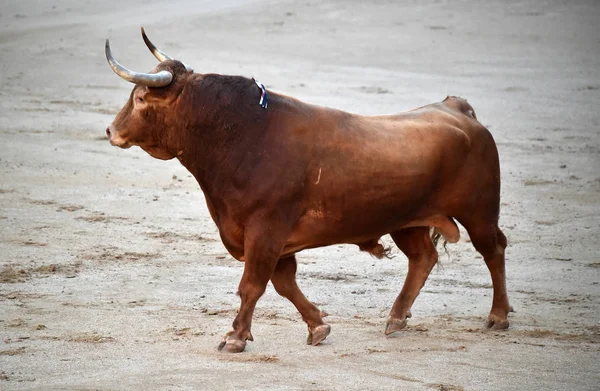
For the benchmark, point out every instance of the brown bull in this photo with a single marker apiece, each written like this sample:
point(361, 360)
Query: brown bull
point(295, 176)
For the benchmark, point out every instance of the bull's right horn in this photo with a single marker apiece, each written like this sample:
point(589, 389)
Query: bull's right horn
point(160, 79)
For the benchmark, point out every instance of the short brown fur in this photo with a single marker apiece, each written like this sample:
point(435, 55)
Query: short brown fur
point(297, 176)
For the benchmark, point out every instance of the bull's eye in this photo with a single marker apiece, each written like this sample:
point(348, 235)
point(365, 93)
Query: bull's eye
point(140, 99)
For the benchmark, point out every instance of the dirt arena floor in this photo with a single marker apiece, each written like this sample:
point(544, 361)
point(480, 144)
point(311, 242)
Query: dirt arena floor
point(112, 275)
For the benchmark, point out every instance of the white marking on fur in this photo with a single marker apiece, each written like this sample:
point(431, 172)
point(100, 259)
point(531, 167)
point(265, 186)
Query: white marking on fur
point(319, 177)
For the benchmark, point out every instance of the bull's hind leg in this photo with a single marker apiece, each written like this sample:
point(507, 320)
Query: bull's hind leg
point(490, 242)
point(284, 281)
point(416, 244)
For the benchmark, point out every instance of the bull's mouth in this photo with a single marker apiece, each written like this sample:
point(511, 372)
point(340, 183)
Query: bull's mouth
point(120, 143)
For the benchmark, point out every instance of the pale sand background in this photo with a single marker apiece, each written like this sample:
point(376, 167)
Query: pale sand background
point(112, 274)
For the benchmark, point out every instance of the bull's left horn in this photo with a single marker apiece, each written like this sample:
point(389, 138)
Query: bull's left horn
point(160, 79)
point(159, 54)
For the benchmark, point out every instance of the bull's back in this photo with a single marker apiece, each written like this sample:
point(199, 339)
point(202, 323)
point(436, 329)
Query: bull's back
point(381, 154)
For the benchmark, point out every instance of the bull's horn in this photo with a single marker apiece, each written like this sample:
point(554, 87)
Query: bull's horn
point(159, 54)
point(160, 79)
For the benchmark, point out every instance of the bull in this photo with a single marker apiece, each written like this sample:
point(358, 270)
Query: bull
point(282, 176)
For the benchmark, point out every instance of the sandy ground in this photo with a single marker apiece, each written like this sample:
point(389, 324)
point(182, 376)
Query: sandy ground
point(111, 272)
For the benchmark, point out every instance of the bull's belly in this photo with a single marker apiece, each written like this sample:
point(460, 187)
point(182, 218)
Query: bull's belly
point(315, 230)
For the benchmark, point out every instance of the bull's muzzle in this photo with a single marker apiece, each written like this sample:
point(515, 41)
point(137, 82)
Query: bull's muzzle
point(115, 139)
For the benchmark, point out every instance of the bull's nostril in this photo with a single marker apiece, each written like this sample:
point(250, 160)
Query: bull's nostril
point(108, 133)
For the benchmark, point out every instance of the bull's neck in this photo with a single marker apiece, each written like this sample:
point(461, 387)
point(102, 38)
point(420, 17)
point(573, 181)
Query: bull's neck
point(214, 164)
point(220, 157)
point(221, 122)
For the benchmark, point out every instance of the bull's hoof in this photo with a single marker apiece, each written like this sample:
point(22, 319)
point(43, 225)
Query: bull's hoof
point(232, 346)
point(394, 324)
point(317, 334)
point(495, 322)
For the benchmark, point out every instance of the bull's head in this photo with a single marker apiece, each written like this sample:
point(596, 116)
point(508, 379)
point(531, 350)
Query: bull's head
point(147, 116)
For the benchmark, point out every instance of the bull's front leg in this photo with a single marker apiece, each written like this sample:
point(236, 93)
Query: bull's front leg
point(262, 249)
